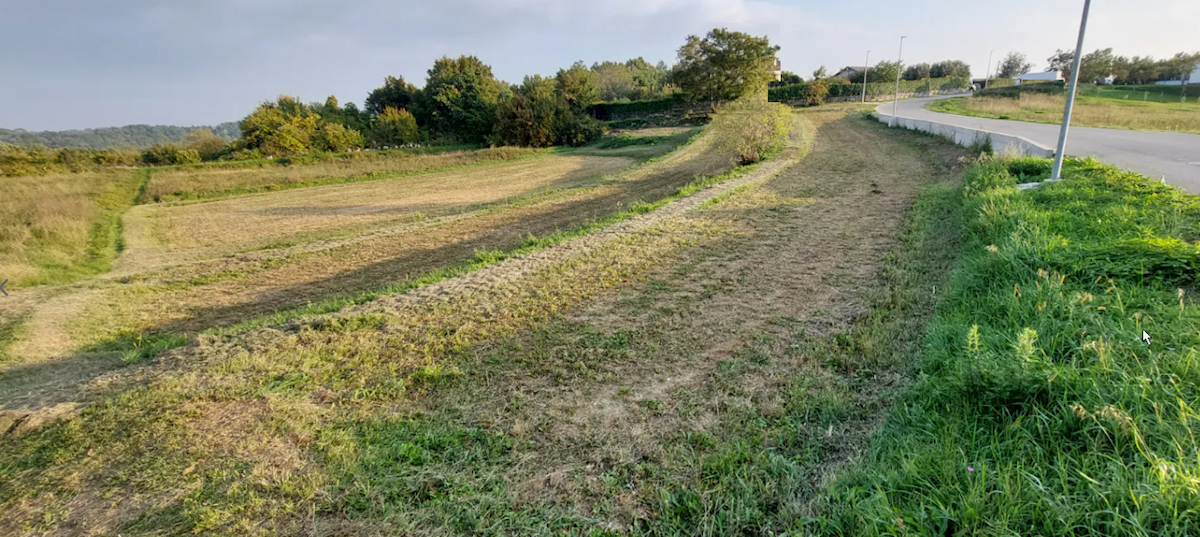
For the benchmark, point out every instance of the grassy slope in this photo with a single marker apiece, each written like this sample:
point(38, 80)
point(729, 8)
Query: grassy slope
point(1105, 111)
point(145, 433)
point(1040, 410)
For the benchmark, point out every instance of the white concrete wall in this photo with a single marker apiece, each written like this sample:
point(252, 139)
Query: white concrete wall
point(1001, 143)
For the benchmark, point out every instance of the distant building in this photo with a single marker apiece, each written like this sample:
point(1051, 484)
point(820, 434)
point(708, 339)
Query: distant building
point(777, 71)
point(850, 71)
point(1045, 76)
point(1190, 78)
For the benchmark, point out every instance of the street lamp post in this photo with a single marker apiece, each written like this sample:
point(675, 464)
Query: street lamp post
point(896, 100)
point(988, 77)
point(1056, 170)
point(866, 71)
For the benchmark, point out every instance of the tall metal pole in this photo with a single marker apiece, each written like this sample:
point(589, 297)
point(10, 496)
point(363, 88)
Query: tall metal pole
point(988, 77)
point(1056, 170)
point(896, 101)
point(866, 72)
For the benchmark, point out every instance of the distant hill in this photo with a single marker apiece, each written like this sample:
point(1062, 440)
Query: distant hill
point(113, 137)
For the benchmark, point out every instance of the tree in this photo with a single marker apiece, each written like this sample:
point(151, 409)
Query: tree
point(1014, 64)
point(950, 68)
point(1061, 61)
point(395, 93)
point(282, 127)
point(578, 85)
point(884, 71)
point(207, 145)
point(462, 94)
point(724, 65)
point(394, 127)
point(820, 73)
point(1179, 66)
point(916, 72)
point(336, 137)
point(1096, 66)
point(539, 115)
point(789, 77)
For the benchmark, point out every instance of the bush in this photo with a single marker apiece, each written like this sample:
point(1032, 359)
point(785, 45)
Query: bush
point(612, 111)
point(336, 137)
point(1014, 92)
point(395, 127)
point(800, 93)
point(169, 155)
point(751, 129)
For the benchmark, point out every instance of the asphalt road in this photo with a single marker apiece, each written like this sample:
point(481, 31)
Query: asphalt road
point(1173, 155)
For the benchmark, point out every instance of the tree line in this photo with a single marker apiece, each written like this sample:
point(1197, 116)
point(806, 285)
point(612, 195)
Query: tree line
point(461, 102)
point(1096, 66)
point(129, 136)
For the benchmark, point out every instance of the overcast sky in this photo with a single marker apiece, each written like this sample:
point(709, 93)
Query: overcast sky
point(86, 63)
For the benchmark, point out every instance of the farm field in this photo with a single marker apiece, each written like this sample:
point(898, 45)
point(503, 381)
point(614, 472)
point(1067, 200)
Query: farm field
point(743, 333)
point(1105, 110)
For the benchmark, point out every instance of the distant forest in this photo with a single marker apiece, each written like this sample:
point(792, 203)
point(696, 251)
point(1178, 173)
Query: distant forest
point(139, 136)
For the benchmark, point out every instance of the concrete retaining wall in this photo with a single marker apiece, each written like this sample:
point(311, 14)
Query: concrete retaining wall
point(964, 136)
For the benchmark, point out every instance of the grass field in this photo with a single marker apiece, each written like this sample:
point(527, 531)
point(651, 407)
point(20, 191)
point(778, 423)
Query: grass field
point(892, 340)
point(1041, 410)
point(61, 227)
point(1090, 111)
point(702, 367)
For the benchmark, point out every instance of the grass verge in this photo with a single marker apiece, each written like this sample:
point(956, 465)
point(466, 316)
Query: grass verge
point(1039, 408)
point(1105, 112)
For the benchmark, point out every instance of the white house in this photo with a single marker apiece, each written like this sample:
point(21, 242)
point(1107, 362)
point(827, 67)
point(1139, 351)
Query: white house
point(1191, 78)
point(1045, 76)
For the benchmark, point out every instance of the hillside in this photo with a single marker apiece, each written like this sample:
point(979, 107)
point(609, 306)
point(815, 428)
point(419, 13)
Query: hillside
point(113, 137)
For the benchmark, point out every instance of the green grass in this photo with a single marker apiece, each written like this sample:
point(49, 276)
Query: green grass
point(1039, 410)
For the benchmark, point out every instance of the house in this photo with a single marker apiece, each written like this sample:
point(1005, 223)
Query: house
point(851, 71)
point(1045, 76)
point(777, 71)
point(1190, 78)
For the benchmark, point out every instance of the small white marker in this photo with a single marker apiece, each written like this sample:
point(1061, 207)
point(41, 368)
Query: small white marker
point(1145, 337)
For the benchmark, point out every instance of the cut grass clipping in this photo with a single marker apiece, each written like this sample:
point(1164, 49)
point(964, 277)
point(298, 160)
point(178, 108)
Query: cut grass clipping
point(1040, 410)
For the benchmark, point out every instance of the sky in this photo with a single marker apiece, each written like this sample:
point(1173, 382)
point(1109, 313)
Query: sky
point(81, 63)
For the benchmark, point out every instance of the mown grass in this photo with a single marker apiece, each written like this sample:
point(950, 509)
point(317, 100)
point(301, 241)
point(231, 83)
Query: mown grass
point(1089, 111)
point(58, 228)
point(224, 446)
point(1040, 411)
point(206, 182)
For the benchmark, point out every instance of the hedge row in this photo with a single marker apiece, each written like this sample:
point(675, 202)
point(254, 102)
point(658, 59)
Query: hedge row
point(1014, 92)
point(611, 111)
point(798, 92)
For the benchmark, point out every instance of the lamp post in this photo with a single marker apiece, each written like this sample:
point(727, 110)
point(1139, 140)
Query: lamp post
point(1056, 170)
point(896, 100)
point(866, 71)
point(988, 77)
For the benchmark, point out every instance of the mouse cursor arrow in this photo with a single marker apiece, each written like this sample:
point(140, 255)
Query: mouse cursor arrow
point(1145, 337)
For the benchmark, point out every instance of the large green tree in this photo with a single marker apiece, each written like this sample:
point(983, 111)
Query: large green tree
point(916, 71)
point(1014, 64)
point(949, 68)
point(394, 127)
point(724, 65)
point(282, 127)
point(578, 85)
point(394, 92)
point(461, 95)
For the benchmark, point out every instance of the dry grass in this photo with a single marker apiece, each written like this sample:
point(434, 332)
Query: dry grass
point(1088, 112)
point(57, 227)
point(173, 233)
point(207, 182)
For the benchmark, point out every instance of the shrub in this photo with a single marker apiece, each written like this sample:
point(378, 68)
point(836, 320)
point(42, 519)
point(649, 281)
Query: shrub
point(336, 137)
point(395, 127)
point(751, 129)
point(168, 155)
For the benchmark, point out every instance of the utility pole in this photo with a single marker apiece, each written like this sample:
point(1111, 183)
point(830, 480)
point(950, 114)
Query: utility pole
point(988, 77)
point(899, 62)
point(1056, 170)
point(866, 71)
